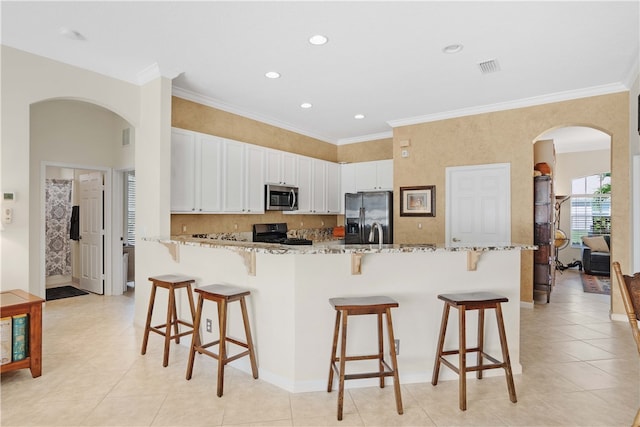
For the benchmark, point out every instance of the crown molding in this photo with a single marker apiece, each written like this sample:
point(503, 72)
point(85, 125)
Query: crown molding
point(154, 71)
point(511, 105)
point(229, 108)
point(365, 138)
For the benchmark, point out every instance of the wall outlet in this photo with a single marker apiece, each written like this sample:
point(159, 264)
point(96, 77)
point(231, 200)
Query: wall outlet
point(397, 344)
point(209, 327)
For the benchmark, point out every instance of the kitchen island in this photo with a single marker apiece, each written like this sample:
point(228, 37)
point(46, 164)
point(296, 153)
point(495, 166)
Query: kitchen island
point(292, 321)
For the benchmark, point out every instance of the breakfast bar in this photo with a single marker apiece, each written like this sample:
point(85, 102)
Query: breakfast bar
point(292, 321)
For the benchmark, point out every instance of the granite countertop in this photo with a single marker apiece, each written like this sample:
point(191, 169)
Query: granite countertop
point(328, 247)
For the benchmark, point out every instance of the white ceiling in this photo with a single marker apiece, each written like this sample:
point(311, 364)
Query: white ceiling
point(383, 59)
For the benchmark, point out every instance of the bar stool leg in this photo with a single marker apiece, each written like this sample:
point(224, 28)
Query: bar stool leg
point(443, 331)
point(505, 354)
point(480, 342)
point(394, 362)
point(343, 357)
point(167, 336)
point(462, 338)
point(222, 356)
point(336, 331)
point(380, 350)
point(195, 340)
point(191, 304)
point(247, 333)
point(147, 327)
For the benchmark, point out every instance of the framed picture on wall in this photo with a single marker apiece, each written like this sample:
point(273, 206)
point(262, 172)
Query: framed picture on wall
point(418, 201)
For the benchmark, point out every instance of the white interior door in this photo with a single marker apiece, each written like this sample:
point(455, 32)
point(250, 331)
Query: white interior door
point(92, 232)
point(478, 205)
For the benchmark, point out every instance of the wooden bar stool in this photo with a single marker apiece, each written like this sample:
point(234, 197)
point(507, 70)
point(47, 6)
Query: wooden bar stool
point(222, 295)
point(356, 306)
point(472, 301)
point(171, 282)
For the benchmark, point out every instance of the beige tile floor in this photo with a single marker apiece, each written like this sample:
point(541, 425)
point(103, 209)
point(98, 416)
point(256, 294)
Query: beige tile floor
point(580, 369)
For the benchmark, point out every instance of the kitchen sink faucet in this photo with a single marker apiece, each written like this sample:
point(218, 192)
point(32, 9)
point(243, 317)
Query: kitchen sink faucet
point(373, 227)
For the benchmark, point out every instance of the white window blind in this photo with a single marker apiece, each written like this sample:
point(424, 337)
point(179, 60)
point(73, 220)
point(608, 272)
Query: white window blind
point(131, 208)
point(590, 207)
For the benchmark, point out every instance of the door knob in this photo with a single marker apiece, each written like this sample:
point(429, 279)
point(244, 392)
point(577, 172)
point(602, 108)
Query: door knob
point(455, 239)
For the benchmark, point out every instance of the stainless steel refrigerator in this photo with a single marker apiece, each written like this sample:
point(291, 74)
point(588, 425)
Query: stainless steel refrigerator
point(362, 210)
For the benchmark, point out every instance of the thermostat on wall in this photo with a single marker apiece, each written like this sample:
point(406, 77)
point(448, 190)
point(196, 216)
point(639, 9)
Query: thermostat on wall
point(9, 197)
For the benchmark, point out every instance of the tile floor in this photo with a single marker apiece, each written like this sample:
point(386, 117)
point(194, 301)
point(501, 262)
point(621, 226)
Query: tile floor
point(580, 369)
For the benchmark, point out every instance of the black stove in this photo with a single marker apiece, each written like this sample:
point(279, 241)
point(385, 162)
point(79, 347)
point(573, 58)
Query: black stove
point(276, 233)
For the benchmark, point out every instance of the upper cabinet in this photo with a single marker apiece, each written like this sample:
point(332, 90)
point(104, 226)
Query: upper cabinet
point(210, 174)
point(374, 176)
point(243, 178)
point(195, 180)
point(281, 168)
point(215, 175)
point(318, 187)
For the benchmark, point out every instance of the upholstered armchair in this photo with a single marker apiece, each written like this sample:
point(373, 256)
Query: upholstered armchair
point(596, 258)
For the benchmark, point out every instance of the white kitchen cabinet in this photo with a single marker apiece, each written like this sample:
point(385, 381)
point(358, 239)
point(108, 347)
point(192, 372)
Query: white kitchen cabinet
point(318, 187)
point(254, 179)
point(233, 175)
point(281, 167)
point(305, 185)
point(208, 162)
point(242, 178)
point(374, 176)
point(183, 158)
point(347, 181)
point(319, 195)
point(195, 179)
point(333, 190)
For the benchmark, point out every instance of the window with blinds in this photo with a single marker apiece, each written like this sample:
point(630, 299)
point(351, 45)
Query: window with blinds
point(590, 207)
point(130, 211)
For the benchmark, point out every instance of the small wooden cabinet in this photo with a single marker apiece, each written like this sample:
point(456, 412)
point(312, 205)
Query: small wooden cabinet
point(543, 235)
point(16, 302)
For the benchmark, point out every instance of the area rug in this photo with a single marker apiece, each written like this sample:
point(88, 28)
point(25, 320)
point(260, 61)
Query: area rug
point(596, 284)
point(64, 292)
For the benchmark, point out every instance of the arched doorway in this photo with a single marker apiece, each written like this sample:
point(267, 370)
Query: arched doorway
point(77, 135)
point(574, 154)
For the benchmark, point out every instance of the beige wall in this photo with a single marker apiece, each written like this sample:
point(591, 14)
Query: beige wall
point(381, 149)
point(507, 137)
point(201, 118)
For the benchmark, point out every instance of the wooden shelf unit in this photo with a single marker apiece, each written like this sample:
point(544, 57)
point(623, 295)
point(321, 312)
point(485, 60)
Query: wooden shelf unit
point(16, 302)
point(543, 234)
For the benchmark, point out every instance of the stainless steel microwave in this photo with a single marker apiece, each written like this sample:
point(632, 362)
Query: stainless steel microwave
point(280, 197)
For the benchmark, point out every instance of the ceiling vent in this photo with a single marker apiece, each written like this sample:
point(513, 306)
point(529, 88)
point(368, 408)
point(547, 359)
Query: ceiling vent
point(490, 66)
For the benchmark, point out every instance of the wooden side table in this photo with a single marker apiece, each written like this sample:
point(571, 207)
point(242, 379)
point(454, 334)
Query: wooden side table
point(15, 302)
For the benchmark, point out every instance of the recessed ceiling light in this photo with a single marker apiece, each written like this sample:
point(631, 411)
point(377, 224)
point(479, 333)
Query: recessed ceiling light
point(306, 105)
point(318, 40)
point(452, 48)
point(272, 75)
point(359, 116)
point(71, 34)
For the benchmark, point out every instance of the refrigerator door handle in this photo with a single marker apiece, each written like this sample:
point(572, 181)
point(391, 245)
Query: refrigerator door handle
point(362, 241)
